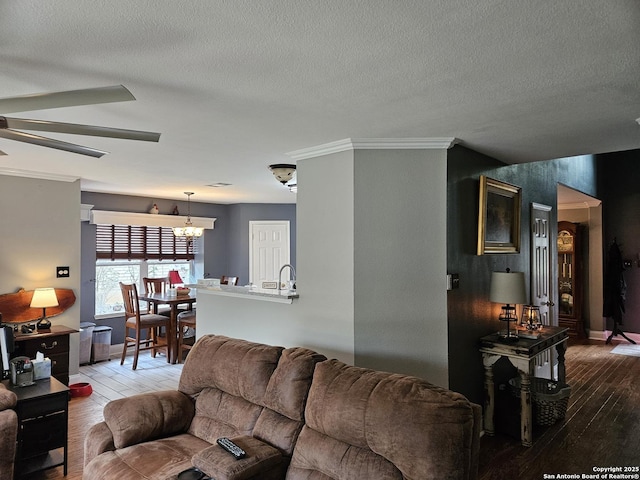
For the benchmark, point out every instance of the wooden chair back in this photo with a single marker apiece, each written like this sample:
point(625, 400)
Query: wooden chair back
point(155, 285)
point(224, 280)
point(130, 299)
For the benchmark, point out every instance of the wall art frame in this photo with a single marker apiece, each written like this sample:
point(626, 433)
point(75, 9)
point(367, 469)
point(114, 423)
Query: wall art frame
point(499, 217)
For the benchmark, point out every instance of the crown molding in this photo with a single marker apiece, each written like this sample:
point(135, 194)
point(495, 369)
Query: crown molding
point(14, 172)
point(574, 206)
point(374, 144)
point(104, 217)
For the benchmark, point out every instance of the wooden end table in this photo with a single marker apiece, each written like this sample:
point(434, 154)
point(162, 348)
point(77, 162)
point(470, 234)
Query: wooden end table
point(521, 354)
point(43, 422)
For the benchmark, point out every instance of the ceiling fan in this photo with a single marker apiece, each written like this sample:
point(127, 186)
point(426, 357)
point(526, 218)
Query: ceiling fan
point(9, 126)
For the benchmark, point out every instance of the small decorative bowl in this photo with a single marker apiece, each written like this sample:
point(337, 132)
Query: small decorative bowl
point(183, 291)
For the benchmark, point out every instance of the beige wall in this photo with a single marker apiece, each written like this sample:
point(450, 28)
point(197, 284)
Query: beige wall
point(40, 230)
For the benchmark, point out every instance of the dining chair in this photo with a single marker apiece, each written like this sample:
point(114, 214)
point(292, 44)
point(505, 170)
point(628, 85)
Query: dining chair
point(224, 280)
point(186, 321)
point(139, 323)
point(156, 285)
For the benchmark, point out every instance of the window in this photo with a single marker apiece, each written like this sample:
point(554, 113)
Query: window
point(109, 274)
point(128, 253)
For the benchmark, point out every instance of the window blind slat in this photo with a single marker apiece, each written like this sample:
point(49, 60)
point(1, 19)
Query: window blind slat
point(130, 242)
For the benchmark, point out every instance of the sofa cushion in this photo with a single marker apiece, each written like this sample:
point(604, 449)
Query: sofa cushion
point(289, 385)
point(148, 416)
point(219, 414)
point(219, 464)
point(237, 367)
point(318, 456)
point(424, 430)
point(158, 460)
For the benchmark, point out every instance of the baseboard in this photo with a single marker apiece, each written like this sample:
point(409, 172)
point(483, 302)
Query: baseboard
point(600, 335)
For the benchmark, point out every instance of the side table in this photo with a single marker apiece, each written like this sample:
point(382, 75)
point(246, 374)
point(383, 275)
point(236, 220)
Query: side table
point(54, 343)
point(522, 355)
point(43, 413)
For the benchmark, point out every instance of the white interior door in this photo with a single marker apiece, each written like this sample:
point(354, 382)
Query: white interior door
point(269, 250)
point(541, 281)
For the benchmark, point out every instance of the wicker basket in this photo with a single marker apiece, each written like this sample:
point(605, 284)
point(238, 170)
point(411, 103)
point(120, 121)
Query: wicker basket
point(550, 399)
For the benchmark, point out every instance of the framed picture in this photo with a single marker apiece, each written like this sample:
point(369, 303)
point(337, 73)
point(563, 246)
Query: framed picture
point(499, 217)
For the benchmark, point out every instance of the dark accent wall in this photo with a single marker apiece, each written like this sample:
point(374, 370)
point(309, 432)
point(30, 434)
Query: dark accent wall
point(470, 314)
point(222, 246)
point(620, 182)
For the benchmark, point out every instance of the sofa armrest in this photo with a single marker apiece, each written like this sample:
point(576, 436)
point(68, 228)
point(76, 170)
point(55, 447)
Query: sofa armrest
point(148, 416)
point(8, 435)
point(221, 465)
point(8, 399)
point(99, 439)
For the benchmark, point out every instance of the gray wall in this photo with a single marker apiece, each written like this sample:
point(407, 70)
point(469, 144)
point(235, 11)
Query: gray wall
point(40, 230)
point(240, 215)
point(220, 246)
point(400, 262)
point(470, 314)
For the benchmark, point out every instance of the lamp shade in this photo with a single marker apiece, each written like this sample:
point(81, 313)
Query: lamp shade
point(508, 287)
point(174, 277)
point(43, 298)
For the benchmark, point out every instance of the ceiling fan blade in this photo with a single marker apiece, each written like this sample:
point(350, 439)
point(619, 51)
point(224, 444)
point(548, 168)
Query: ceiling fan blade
point(70, 98)
point(49, 142)
point(77, 129)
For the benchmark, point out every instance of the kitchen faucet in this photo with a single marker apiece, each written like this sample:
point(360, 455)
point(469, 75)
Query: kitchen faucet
point(292, 272)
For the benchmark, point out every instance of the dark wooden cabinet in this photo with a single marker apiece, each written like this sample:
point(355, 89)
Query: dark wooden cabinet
point(570, 278)
point(43, 416)
point(53, 343)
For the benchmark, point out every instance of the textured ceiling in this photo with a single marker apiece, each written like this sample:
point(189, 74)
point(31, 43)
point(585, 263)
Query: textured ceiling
point(235, 85)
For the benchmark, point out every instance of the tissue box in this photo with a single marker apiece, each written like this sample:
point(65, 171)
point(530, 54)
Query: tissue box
point(41, 368)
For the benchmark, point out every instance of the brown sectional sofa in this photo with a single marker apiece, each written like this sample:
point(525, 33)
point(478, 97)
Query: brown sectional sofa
point(8, 432)
point(297, 415)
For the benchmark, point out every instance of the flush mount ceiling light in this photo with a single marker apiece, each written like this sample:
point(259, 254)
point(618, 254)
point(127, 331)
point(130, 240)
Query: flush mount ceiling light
point(188, 231)
point(283, 172)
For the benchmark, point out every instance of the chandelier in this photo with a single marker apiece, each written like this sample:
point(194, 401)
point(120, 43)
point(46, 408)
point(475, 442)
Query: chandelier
point(188, 231)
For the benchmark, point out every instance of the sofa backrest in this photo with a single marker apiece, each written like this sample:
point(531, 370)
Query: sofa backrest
point(228, 378)
point(368, 424)
point(282, 419)
point(244, 388)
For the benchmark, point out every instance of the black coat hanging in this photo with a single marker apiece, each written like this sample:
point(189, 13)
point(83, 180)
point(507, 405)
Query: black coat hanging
point(614, 290)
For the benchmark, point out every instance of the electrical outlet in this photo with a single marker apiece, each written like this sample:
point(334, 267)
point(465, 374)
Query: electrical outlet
point(62, 272)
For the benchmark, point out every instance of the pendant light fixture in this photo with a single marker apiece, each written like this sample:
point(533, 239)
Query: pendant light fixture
point(188, 231)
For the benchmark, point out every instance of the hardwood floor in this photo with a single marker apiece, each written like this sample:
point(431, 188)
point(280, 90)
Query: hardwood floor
point(601, 428)
point(109, 381)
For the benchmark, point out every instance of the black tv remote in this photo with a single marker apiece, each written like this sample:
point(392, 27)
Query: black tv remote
point(231, 447)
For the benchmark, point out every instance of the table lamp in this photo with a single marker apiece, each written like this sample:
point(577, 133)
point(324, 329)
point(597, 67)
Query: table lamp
point(43, 298)
point(508, 288)
point(174, 278)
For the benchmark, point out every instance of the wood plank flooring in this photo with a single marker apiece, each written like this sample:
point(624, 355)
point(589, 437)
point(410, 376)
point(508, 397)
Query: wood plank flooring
point(109, 381)
point(601, 428)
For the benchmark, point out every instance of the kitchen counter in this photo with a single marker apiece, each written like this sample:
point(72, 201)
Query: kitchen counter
point(251, 293)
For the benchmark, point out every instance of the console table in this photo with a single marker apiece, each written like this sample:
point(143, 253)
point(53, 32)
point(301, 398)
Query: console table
point(43, 413)
point(521, 354)
point(53, 343)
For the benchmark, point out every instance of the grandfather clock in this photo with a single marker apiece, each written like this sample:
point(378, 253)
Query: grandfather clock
point(570, 278)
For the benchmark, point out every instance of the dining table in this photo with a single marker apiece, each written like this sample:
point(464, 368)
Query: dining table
point(173, 301)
